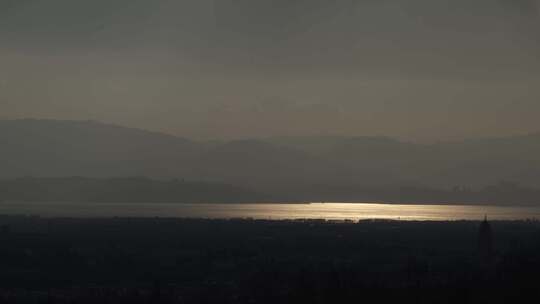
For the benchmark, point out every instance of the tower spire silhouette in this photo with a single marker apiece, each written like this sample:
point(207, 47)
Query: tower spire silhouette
point(485, 240)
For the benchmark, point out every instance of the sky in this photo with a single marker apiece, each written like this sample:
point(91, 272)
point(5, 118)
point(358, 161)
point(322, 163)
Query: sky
point(424, 70)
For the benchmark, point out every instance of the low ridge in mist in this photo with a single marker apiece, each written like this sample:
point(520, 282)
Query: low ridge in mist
point(295, 167)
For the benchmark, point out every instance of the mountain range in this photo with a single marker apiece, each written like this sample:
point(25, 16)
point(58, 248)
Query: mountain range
point(53, 148)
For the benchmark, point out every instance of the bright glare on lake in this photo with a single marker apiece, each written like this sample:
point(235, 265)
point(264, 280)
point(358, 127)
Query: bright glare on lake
point(329, 211)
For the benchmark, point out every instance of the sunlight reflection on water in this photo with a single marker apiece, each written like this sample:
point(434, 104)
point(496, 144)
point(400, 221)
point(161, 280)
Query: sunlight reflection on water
point(329, 211)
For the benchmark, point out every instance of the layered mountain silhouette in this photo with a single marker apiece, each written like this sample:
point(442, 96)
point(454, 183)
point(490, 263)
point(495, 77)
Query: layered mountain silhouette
point(48, 148)
point(123, 190)
point(290, 166)
point(474, 162)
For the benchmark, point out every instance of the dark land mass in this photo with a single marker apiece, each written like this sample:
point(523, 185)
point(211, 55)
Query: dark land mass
point(122, 190)
point(132, 260)
point(145, 190)
point(284, 166)
point(501, 194)
point(497, 171)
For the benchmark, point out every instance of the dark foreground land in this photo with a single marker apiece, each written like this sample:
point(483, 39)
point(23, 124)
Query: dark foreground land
point(247, 261)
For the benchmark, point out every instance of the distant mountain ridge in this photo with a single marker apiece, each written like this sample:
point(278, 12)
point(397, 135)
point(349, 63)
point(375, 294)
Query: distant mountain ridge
point(122, 190)
point(472, 162)
point(72, 148)
point(49, 148)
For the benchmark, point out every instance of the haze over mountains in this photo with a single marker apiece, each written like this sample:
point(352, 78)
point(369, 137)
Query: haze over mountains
point(75, 148)
point(50, 148)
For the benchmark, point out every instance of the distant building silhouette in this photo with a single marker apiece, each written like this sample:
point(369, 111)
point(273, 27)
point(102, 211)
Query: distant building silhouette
point(485, 241)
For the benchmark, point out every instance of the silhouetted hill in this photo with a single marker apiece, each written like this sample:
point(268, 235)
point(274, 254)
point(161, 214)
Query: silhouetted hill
point(475, 162)
point(85, 148)
point(122, 190)
point(49, 148)
point(274, 167)
point(293, 168)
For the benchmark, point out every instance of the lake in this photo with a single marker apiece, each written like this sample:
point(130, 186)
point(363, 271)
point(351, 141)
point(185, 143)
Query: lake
point(329, 211)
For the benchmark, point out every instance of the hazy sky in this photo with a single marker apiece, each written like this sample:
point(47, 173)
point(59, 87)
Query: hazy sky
point(417, 69)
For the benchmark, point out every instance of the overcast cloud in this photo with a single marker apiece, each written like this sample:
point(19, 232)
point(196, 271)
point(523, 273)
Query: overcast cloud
point(418, 69)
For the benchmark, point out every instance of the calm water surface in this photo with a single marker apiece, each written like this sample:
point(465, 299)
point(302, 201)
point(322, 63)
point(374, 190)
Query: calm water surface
point(330, 211)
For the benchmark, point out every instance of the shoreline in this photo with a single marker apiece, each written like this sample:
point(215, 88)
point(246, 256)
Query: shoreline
point(259, 220)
